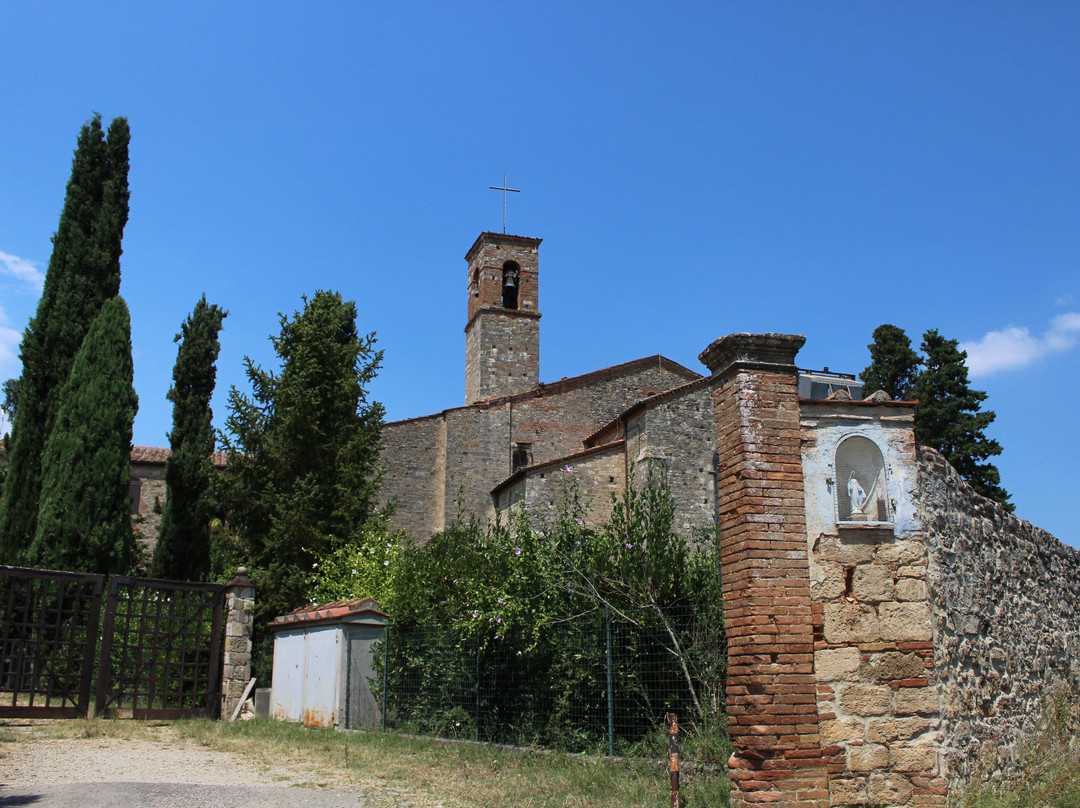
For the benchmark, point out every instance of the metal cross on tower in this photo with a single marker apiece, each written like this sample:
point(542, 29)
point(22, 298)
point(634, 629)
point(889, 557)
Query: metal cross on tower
point(504, 189)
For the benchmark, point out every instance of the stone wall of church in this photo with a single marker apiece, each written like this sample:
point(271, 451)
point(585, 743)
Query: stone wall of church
point(598, 475)
point(414, 463)
point(1006, 612)
point(677, 437)
point(147, 519)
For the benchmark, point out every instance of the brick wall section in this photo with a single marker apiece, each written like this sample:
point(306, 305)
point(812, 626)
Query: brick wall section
point(771, 691)
point(1006, 612)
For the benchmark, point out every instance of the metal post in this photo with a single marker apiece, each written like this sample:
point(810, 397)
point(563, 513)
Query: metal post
point(385, 672)
point(673, 757)
point(610, 688)
point(476, 719)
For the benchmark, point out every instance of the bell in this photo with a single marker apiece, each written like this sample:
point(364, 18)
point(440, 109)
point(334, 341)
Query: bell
point(510, 279)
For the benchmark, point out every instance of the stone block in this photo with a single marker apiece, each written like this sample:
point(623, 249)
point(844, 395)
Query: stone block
point(872, 583)
point(851, 622)
point(908, 589)
point(831, 585)
point(917, 700)
point(867, 758)
point(887, 730)
point(866, 699)
point(892, 666)
point(846, 552)
point(921, 759)
point(848, 791)
point(842, 731)
point(901, 552)
point(890, 789)
point(834, 664)
point(905, 622)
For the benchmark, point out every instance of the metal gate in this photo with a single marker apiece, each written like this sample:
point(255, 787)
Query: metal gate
point(160, 645)
point(48, 636)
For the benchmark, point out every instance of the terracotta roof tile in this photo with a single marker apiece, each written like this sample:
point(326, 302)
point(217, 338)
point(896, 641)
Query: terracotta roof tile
point(335, 610)
point(159, 454)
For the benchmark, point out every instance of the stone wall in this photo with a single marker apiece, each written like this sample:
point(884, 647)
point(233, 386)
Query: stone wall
point(676, 434)
point(878, 693)
point(601, 472)
point(147, 520)
point(459, 456)
point(413, 459)
point(1006, 613)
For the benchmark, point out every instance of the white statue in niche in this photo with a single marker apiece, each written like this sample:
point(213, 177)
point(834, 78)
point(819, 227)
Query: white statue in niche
point(855, 494)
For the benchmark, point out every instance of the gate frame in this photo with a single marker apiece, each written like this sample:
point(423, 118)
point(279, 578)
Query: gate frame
point(82, 705)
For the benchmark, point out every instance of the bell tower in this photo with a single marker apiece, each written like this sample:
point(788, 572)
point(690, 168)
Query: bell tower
point(502, 335)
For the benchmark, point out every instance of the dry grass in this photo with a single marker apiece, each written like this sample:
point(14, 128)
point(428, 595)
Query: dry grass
point(458, 775)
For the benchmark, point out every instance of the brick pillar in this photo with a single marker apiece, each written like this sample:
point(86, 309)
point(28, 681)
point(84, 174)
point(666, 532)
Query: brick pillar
point(771, 691)
point(236, 669)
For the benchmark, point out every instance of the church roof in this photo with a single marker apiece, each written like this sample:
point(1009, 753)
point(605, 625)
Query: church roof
point(571, 382)
point(644, 404)
point(159, 455)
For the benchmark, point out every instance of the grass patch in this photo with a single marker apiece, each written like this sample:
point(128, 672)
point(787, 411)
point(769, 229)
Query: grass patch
point(1050, 772)
point(462, 774)
point(423, 772)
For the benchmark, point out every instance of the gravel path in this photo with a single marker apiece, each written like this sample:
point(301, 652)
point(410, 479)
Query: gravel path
point(128, 773)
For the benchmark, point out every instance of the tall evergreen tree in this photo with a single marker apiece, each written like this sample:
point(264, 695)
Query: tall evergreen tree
point(304, 449)
point(949, 419)
point(894, 365)
point(183, 547)
point(84, 521)
point(84, 272)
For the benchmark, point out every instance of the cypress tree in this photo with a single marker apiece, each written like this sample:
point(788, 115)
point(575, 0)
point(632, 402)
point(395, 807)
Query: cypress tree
point(893, 364)
point(183, 547)
point(84, 272)
point(84, 521)
point(949, 418)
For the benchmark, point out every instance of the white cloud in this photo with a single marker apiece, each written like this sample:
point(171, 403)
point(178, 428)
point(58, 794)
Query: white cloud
point(9, 348)
point(23, 269)
point(1015, 347)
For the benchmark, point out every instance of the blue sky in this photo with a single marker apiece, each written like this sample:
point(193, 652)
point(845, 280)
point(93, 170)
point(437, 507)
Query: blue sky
point(694, 170)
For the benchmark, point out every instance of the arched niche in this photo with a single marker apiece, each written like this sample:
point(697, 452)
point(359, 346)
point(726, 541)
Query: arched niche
point(862, 492)
point(511, 280)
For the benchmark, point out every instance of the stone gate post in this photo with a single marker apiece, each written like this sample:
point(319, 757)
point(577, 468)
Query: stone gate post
point(771, 690)
point(236, 668)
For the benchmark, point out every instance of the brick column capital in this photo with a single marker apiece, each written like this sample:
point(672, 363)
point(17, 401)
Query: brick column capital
point(773, 352)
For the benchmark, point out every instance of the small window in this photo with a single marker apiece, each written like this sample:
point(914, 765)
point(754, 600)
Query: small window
point(134, 491)
point(861, 491)
point(511, 281)
point(521, 457)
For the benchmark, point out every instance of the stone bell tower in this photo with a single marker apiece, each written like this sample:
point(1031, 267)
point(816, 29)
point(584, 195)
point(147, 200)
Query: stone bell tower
point(502, 336)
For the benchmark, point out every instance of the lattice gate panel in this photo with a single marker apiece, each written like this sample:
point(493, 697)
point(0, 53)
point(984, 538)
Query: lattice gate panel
point(161, 649)
point(48, 635)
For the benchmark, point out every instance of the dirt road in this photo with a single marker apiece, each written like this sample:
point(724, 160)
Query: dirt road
point(168, 771)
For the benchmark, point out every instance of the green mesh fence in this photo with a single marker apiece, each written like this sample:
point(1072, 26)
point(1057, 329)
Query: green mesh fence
point(600, 683)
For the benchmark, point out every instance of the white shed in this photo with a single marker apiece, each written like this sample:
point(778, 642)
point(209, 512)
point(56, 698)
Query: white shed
point(323, 673)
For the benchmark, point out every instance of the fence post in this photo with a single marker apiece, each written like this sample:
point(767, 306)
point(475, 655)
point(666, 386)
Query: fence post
point(610, 687)
point(476, 720)
point(385, 673)
point(236, 669)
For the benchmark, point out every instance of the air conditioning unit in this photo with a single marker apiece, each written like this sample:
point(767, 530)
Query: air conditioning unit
point(823, 383)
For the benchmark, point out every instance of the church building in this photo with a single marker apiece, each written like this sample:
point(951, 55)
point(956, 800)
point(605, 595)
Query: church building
point(515, 437)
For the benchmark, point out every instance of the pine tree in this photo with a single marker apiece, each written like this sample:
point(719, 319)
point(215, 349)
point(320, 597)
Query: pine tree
point(84, 272)
point(894, 365)
point(948, 417)
point(304, 449)
point(183, 547)
point(84, 521)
